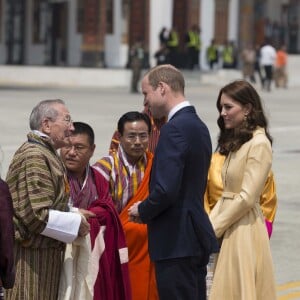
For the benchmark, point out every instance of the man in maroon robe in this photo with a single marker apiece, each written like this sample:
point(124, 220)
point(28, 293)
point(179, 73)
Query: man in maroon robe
point(90, 195)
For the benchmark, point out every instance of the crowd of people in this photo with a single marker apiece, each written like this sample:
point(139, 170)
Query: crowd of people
point(268, 62)
point(154, 216)
point(185, 52)
point(182, 52)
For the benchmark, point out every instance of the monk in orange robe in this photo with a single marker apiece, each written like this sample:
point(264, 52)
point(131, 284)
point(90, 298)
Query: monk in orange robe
point(141, 269)
point(127, 169)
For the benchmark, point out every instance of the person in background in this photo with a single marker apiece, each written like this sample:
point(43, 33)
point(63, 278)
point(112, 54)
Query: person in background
point(237, 219)
point(180, 235)
point(197, 62)
point(128, 172)
point(257, 66)
point(40, 192)
point(136, 64)
point(162, 55)
point(193, 45)
point(163, 36)
point(248, 61)
point(212, 54)
point(267, 61)
point(89, 192)
point(228, 55)
point(7, 268)
point(280, 74)
point(173, 46)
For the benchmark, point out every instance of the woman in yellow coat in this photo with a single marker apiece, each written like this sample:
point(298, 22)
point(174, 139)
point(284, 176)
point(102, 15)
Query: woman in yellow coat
point(214, 189)
point(244, 267)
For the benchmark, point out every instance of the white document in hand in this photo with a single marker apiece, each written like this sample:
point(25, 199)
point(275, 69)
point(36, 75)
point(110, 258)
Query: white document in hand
point(62, 226)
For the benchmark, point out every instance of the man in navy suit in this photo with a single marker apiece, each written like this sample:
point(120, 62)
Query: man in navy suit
point(181, 237)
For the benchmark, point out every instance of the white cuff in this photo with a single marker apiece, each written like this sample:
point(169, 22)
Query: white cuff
point(74, 209)
point(62, 226)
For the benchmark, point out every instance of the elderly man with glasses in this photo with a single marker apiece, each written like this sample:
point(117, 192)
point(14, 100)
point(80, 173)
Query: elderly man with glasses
point(40, 193)
point(128, 171)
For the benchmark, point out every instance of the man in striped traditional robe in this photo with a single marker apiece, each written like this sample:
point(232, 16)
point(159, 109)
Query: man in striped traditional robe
point(128, 173)
point(40, 193)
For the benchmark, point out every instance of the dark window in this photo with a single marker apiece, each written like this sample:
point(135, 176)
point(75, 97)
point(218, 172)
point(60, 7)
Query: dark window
point(39, 23)
point(125, 18)
point(109, 16)
point(80, 15)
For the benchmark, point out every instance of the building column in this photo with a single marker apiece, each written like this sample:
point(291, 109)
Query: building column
point(233, 20)
point(94, 29)
point(207, 17)
point(247, 26)
point(114, 56)
point(180, 20)
point(139, 25)
point(161, 13)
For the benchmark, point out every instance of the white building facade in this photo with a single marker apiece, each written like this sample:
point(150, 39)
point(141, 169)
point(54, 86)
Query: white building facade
point(50, 32)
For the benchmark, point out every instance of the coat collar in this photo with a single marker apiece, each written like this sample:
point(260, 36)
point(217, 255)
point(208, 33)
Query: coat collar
point(178, 107)
point(259, 130)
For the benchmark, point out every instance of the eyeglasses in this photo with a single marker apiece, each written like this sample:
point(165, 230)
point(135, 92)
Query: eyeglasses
point(79, 149)
point(143, 136)
point(68, 119)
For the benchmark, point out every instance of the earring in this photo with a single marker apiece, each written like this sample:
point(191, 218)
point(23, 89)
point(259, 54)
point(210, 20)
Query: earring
point(246, 120)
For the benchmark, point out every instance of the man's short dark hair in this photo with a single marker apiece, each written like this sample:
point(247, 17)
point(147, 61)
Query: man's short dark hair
point(83, 128)
point(133, 116)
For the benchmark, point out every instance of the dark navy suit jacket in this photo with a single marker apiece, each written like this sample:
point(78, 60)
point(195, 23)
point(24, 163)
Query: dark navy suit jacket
point(178, 226)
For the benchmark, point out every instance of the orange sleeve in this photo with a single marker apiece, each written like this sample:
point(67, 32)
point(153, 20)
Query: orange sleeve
point(141, 269)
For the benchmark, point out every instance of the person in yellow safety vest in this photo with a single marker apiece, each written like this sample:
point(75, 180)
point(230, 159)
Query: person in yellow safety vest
point(212, 54)
point(228, 56)
point(198, 47)
point(193, 46)
point(173, 44)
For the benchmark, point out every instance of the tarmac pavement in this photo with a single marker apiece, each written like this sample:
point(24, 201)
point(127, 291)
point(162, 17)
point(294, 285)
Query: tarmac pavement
point(102, 108)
